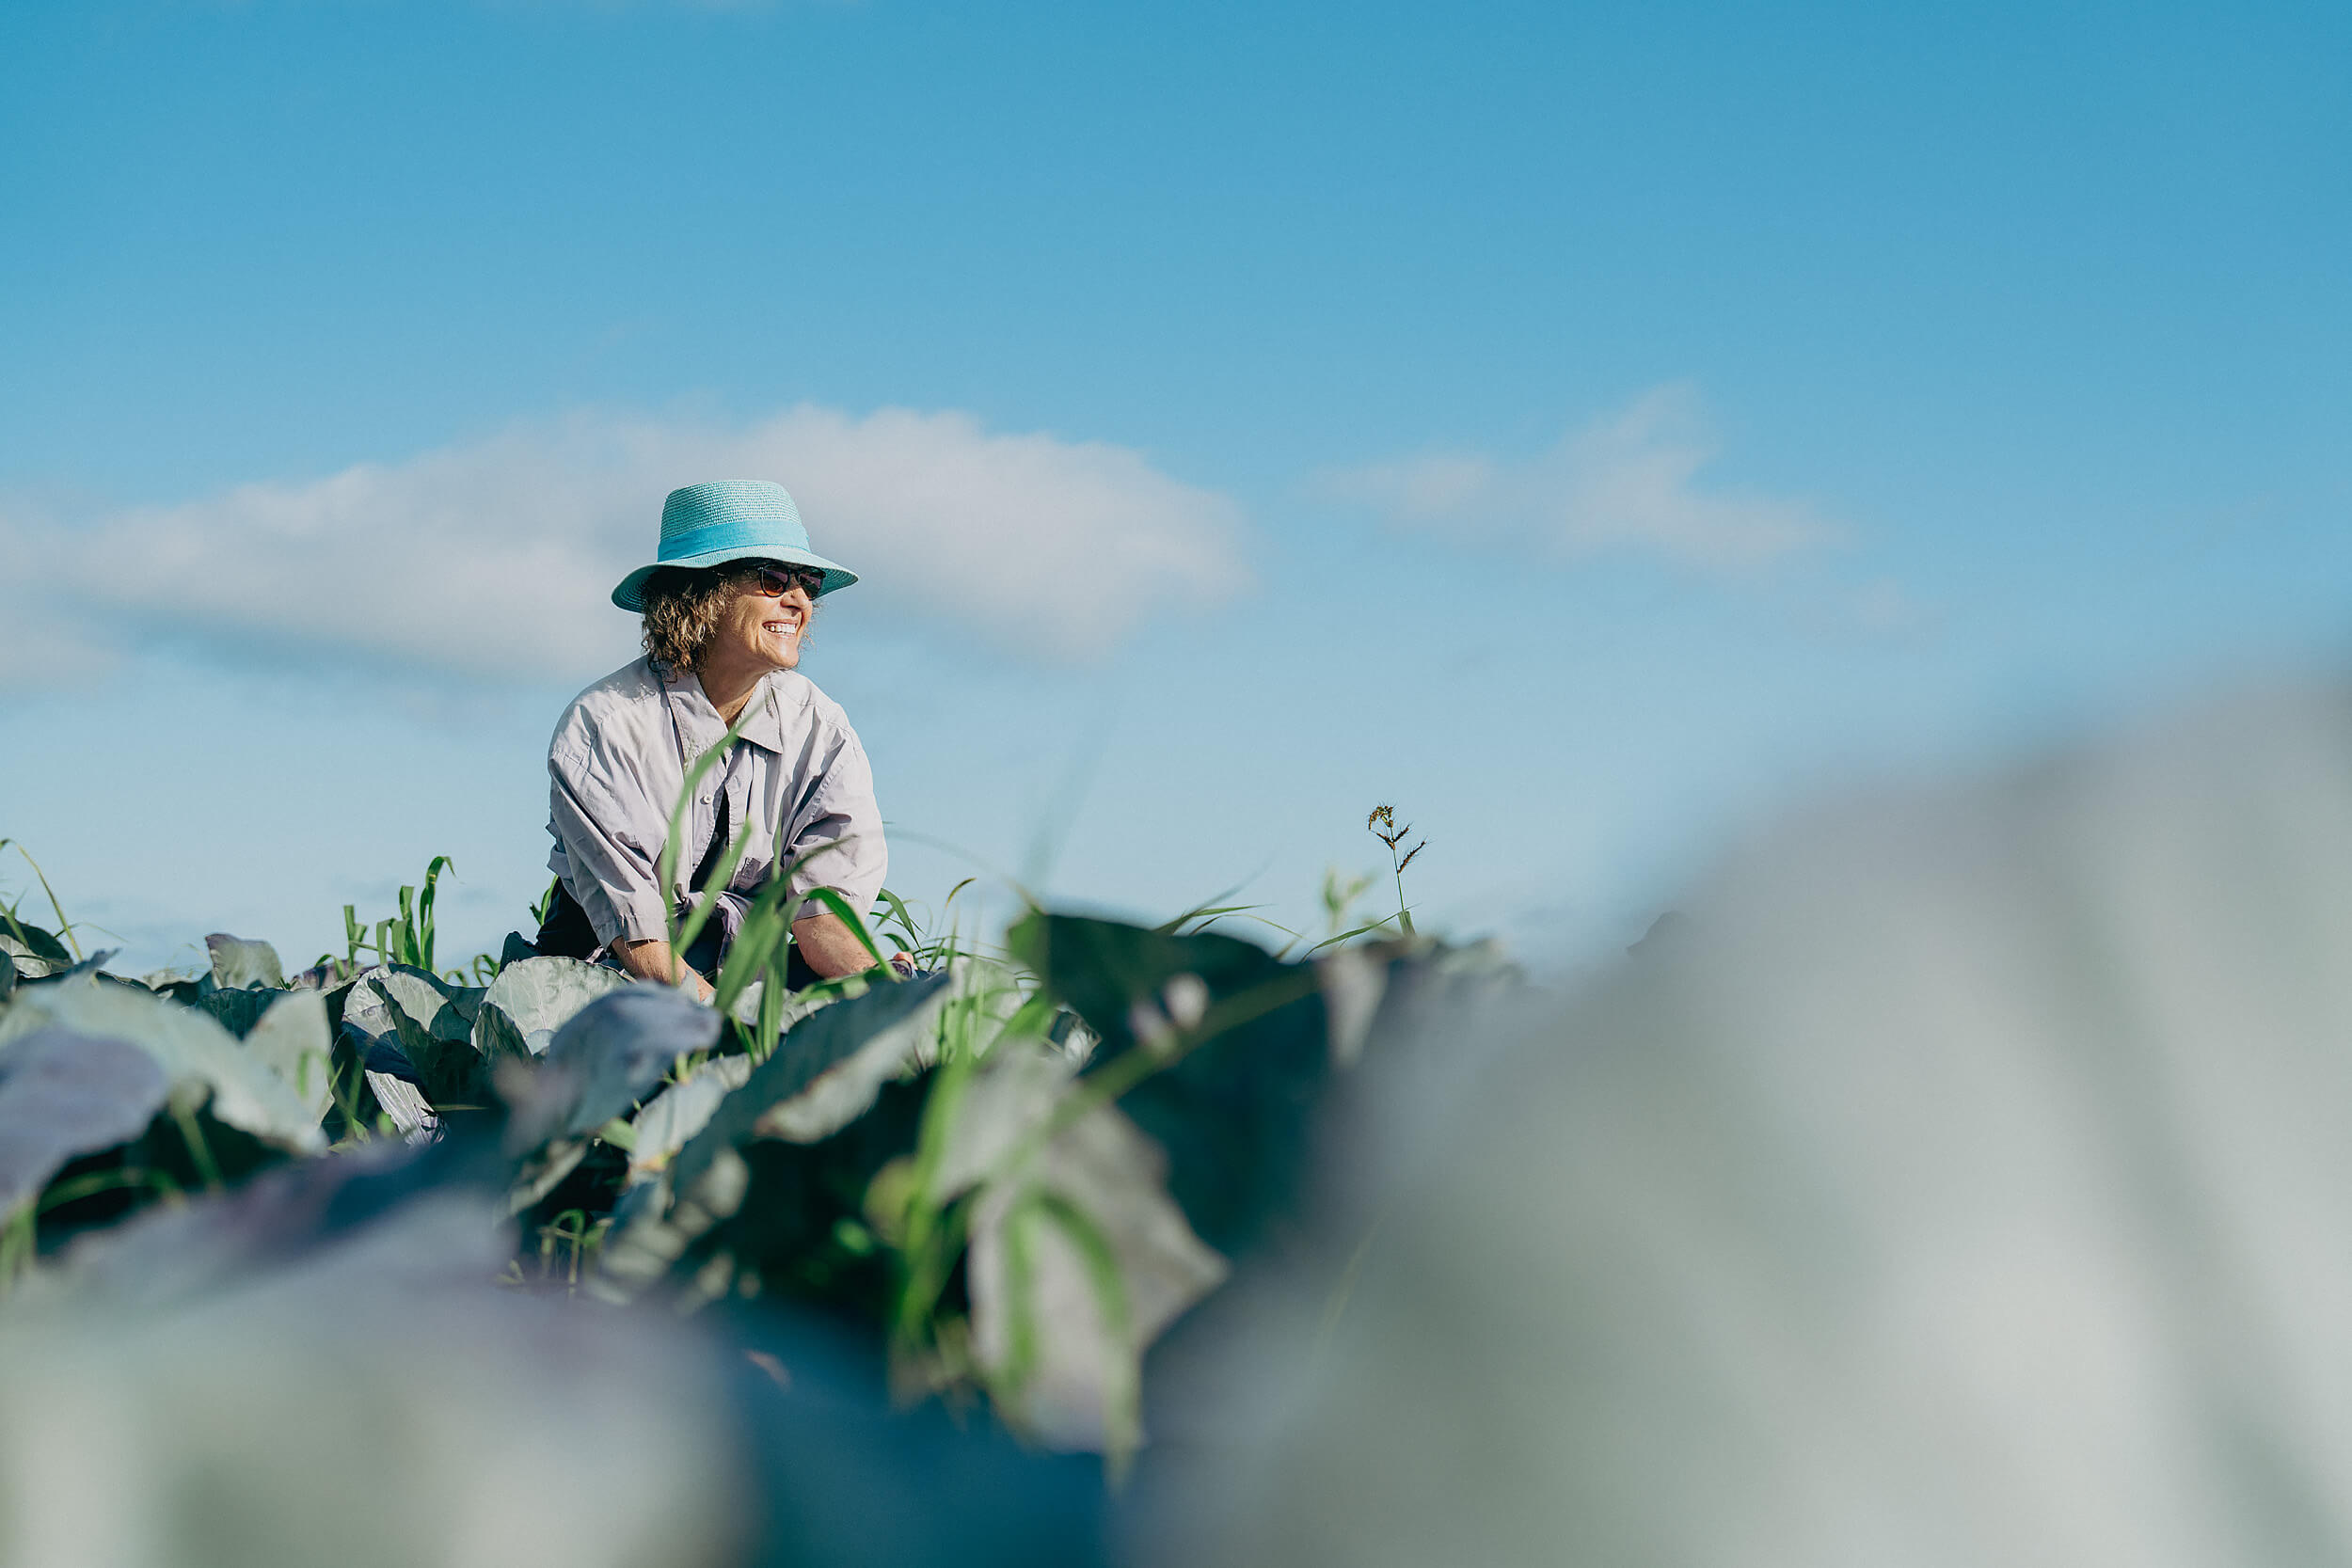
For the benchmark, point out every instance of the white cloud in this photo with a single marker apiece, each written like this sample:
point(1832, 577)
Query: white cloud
point(496, 558)
point(1626, 481)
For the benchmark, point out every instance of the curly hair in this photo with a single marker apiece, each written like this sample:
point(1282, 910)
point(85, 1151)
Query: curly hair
point(683, 605)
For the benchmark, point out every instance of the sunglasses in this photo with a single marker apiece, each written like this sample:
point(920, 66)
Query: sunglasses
point(776, 581)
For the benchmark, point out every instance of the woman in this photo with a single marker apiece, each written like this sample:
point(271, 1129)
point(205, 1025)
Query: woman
point(726, 608)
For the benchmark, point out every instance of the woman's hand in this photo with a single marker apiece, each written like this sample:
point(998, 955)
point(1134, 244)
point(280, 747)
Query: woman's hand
point(653, 961)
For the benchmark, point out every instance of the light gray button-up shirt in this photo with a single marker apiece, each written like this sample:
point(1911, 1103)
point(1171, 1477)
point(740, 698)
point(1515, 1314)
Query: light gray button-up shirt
point(796, 778)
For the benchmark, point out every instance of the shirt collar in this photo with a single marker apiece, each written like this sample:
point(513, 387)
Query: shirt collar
point(700, 724)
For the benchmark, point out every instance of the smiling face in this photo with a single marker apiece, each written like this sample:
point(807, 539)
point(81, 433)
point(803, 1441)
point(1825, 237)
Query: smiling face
point(760, 628)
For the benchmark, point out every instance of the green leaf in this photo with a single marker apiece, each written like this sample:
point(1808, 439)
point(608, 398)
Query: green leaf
point(23, 936)
point(238, 963)
point(1252, 1053)
point(606, 1057)
point(411, 1115)
point(192, 1049)
point(1120, 1382)
point(825, 1073)
point(64, 1095)
point(1103, 968)
point(680, 1111)
point(769, 1215)
point(430, 1021)
point(34, 953)
point(822, 1074)
point(292, 1039)
point(495, 1034)
point(538, 996)
point(1062, 1310)
point(449, 1073)
point(236, 1011)
point(443, 1010)
point(286, 1219)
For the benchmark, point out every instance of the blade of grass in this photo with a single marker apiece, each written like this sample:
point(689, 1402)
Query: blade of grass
point(931, 1239)
point(848, 917)
point(1207, 906)
point(707, 896)
point(771, 1010)
point(80, 1187)
point(425, 910)
point(1343, 936)
point(764, 926)
point(759, 944)
point(16, 1247)
point(1021, 1348)
point(898, 910)
point(1123, 1394)
point(200, 1152)
point(65, 926)
point(404, 927)
point(694, 777)
point(904, 916)
point(1203, 911)
point(8, 911)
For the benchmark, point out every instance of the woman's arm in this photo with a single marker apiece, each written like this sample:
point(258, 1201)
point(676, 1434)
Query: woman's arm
point(836, 841)
point(826, 942)
point(653, 961)
point(609, 832)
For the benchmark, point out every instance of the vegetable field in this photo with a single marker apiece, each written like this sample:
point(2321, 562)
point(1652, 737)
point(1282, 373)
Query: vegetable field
point(927, 1225)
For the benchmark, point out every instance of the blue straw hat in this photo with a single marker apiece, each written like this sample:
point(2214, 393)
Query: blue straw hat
point(734, 519)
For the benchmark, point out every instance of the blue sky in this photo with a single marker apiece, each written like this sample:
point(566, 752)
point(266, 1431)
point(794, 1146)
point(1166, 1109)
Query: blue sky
point(1583, 427)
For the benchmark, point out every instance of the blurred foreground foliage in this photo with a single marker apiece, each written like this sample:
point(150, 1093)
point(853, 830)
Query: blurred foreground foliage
point(986, 1186)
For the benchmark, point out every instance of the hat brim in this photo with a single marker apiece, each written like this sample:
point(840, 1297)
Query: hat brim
point(630, 594)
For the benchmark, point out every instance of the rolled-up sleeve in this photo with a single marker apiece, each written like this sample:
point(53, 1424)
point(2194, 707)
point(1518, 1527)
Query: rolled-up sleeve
point(836, 840)
point(610, 841)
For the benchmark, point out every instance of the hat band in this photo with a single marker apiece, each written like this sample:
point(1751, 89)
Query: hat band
point(718, 537)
